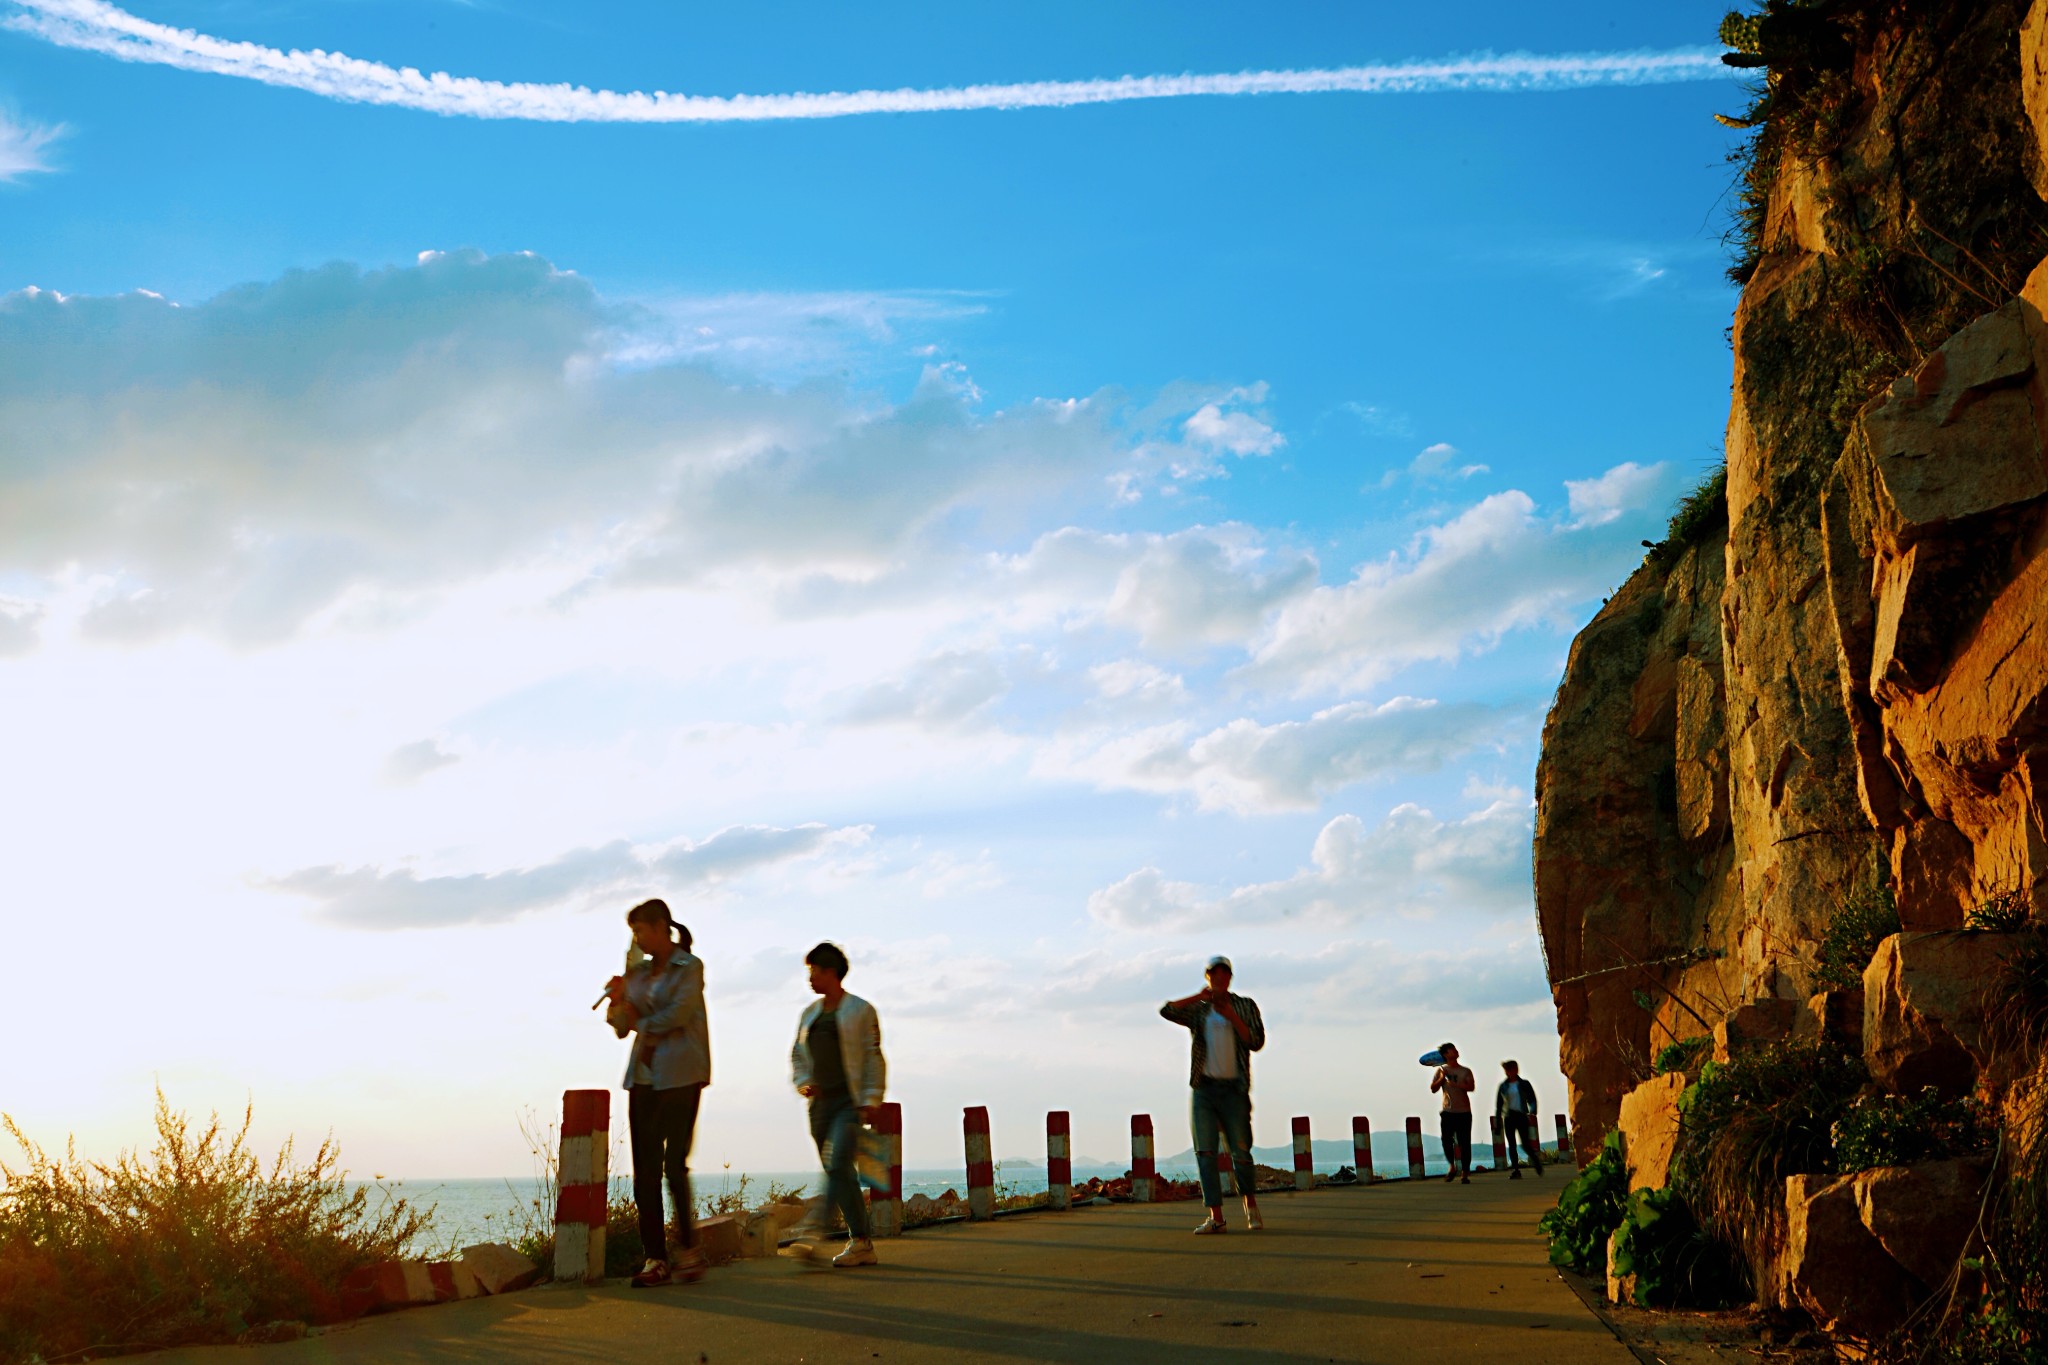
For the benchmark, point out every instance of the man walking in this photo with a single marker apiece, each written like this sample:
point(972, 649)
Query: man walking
point(837, 1065)
point(1457, 1083)
point(1515, 1105)
point(1226, 1032)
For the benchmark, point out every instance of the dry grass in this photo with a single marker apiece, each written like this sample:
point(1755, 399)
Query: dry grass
point(199, 1240)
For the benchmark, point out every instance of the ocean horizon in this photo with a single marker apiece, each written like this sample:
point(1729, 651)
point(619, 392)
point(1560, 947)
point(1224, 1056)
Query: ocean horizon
point(466, 1210)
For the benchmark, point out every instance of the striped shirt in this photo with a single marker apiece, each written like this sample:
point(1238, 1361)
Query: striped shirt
point(1195, 1019)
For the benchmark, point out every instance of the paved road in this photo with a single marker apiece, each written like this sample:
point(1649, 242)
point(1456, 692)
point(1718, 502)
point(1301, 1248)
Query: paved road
point(1401, 1273)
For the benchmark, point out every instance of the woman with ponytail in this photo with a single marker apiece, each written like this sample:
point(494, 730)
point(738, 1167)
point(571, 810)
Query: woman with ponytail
point(662, 1003)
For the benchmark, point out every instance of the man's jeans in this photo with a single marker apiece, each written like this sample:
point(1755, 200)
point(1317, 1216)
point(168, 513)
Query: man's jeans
point(1523, 1126)
point(1222, 1108)
point(835, 1127)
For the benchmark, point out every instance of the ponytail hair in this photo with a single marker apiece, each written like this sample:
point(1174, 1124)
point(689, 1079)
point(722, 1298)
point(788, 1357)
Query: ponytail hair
point(656, 912)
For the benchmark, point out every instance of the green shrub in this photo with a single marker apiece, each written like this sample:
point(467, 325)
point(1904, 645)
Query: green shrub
point(1861, 923)
point(1682, 1054)
point(1588, 1211)
point(200, 1240)
point(1897, 1130)
point(1699, 511)
point(1746, 1125)
point(1675, 1263)
point(2008, 912)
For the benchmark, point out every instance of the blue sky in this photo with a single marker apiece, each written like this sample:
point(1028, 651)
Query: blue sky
point(1034, 546)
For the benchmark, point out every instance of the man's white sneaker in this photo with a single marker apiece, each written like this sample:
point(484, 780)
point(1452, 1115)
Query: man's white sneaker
point(1210, 1226)
point(859, 1251)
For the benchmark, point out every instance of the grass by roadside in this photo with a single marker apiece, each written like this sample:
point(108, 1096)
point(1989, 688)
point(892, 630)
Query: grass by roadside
point(197, 1240)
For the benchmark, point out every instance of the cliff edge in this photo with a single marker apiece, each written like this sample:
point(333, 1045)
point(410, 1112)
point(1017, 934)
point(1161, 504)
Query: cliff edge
point(1833, 687)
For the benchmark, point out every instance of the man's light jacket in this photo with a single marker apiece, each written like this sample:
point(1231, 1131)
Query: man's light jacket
point(860, 1047)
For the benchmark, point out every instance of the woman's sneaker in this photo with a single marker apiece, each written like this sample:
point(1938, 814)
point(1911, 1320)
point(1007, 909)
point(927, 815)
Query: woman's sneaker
point(652, 1274)
point(1209, 1226)
point(689, 1267)
point(1252, 1221)
point(859, 1251)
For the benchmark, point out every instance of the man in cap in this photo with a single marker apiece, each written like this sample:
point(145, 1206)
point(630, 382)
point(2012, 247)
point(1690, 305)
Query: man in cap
point(1226, 1032)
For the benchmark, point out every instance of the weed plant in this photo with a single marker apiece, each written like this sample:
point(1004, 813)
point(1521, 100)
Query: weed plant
point(1588, 1211)
point(1898, 1130)
point(1676, 1264)
point(1682, 1055)
point(1859, 925)
point(200, 1240)
point(1746, 1125)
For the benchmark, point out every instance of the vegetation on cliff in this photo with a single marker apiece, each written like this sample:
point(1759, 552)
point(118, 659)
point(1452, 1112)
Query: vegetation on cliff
point(1919, 175)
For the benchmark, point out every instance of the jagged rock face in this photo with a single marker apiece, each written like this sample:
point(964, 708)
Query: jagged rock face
point(1850, 681)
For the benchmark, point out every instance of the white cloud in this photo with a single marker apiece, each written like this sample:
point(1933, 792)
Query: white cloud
point(1412, 864)
point(1289, 765)
point(1624, 488)
point(24, 147)
point(1136, 685)
point(95, 26)
point(946, 689)
point(1432, 464)
point(1495, 567)
point(243, 464)
point(20, 624)
point(408, 763)
point(1239, 433)
point(367, 898)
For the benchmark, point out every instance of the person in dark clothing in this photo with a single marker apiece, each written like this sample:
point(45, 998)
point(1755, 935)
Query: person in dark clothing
point(838, 1067)
point(1514, 1103)
point(662, 1004)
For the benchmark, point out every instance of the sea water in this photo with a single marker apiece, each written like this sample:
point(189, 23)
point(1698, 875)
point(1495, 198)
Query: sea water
point(465, 1211)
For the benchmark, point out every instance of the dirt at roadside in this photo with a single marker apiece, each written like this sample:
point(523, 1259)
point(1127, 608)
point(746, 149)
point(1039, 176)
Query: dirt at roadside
point(1681, 1337)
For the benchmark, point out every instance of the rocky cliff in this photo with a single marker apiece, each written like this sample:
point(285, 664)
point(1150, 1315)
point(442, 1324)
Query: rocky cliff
point(1841, 684)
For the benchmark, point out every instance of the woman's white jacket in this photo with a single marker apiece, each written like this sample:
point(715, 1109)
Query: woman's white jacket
point(860, 1047)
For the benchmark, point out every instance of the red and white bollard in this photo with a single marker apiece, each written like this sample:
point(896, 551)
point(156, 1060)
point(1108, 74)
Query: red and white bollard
point(981, 1169)
point(581, 1174)
point(1564, 1142)
point(885, 1206)
point(1500, 1148)
point(1415, 1149)
point(1059, 1160)
point(1361, 1148)
point(1304, 1156)
point(1142, 1170)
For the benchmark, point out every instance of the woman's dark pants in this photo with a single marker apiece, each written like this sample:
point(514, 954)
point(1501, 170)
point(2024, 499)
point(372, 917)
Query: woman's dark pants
point(664, 1124)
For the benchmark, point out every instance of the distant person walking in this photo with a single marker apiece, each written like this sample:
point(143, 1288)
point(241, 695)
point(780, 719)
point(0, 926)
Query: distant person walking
point(1514, 1103)
point(1226, 1032)
point(1456, 1082)
point(838, 1066)
point(662, 1004)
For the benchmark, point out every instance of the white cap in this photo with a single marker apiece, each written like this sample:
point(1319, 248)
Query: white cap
point(1221, 961)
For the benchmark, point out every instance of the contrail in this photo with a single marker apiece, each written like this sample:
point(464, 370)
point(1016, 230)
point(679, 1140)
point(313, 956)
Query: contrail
point(95, 26)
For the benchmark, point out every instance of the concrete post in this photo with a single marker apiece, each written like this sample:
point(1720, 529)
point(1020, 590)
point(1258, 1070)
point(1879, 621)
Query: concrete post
point(1059, 1159)
point(1500, 1148)
point(1414, 1149)
point(1304, 1156)
point(981, 1170)
point(1361, 1148)
point(1142, 1170)
point(580, 1173)
point(885, 1206)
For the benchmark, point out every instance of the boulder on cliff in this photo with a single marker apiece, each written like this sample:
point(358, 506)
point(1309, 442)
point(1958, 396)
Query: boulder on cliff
point(1926, 997)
